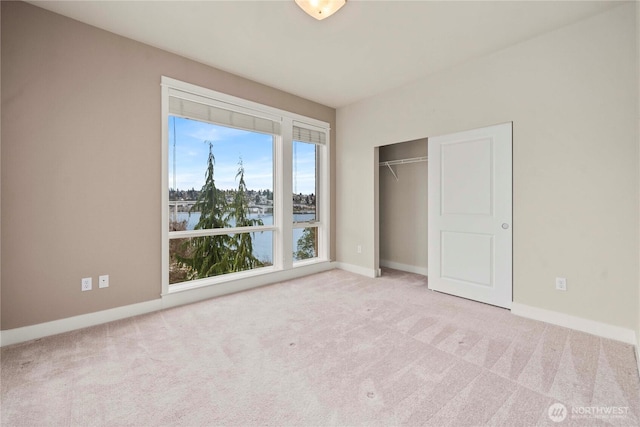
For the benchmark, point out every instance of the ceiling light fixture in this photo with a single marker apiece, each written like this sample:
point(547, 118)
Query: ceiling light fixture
point(320, 9)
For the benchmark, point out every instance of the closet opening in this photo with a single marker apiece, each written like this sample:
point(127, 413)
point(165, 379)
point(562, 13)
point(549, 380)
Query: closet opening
point(402, 206)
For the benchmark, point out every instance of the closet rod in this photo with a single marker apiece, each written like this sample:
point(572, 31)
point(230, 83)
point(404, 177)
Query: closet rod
point(404, 161)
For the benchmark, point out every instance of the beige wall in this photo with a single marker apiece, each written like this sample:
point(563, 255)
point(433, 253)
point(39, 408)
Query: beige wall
point(81, 142)
point(403, 206)
point(638, 114)
point(572, 96)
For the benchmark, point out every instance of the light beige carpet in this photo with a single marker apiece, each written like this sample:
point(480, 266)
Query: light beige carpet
point(332, 349)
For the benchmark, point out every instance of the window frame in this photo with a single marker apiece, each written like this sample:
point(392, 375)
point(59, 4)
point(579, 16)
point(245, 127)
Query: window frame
point(283, 225)
point(322, 188)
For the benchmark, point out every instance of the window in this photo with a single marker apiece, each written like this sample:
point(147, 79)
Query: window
point(227, 164)
point(220, 178)
point(307, 145)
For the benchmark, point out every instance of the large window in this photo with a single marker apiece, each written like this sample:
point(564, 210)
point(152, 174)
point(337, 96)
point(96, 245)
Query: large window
point(227, 165)
point(219, 178)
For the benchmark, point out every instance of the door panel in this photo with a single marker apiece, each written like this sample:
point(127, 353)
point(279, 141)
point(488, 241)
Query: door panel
point(470, 213)
point(475, 266)
point(466, 177)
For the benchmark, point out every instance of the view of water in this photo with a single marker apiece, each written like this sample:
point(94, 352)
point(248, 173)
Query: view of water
point(262, 242)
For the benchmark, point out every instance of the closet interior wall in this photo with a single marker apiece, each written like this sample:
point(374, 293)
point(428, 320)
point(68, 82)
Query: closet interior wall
point(403, 207)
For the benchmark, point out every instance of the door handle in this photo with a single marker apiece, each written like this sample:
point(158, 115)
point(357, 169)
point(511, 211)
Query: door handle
point(505, 225)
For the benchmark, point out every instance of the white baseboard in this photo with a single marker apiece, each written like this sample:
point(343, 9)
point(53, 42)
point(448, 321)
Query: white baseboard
point(603, 330)
point(638, 352)
point(404, 267)
point(363, 271)
point(32, 332)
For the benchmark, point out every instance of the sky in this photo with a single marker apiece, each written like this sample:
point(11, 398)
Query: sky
point(229, 146)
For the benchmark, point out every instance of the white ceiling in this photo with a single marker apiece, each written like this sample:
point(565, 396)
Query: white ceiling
point(365, 48)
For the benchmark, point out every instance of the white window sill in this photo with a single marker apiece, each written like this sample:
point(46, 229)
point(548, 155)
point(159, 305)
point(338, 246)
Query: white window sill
point(310, 261)
point(224, 278)
point(198, 290)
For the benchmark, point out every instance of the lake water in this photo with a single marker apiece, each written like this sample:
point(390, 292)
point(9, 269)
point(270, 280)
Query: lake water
point(262, 241)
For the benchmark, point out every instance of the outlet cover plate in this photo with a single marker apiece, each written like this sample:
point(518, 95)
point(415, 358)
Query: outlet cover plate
point(86, 284)
point(103, 281)
point(561, 283)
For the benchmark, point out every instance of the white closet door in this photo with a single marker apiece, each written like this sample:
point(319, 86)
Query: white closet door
point(470, 211)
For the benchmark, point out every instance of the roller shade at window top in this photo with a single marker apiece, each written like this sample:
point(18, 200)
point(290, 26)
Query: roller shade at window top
point(221, 116)
point(312, 136)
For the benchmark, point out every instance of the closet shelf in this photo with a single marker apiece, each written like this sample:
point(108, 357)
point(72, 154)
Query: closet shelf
point(390, 163)
point(404, 161)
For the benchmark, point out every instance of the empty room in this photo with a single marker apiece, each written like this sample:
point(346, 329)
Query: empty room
point(319, 213)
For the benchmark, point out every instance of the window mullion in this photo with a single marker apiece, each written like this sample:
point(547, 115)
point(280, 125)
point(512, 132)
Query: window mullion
point(285, 175)
point(219, 231)
point(324, 194)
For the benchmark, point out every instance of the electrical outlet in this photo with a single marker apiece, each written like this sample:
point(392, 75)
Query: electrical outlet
point(86, 284)
point(561, 283)
point(359, 249)
point(103, 281)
